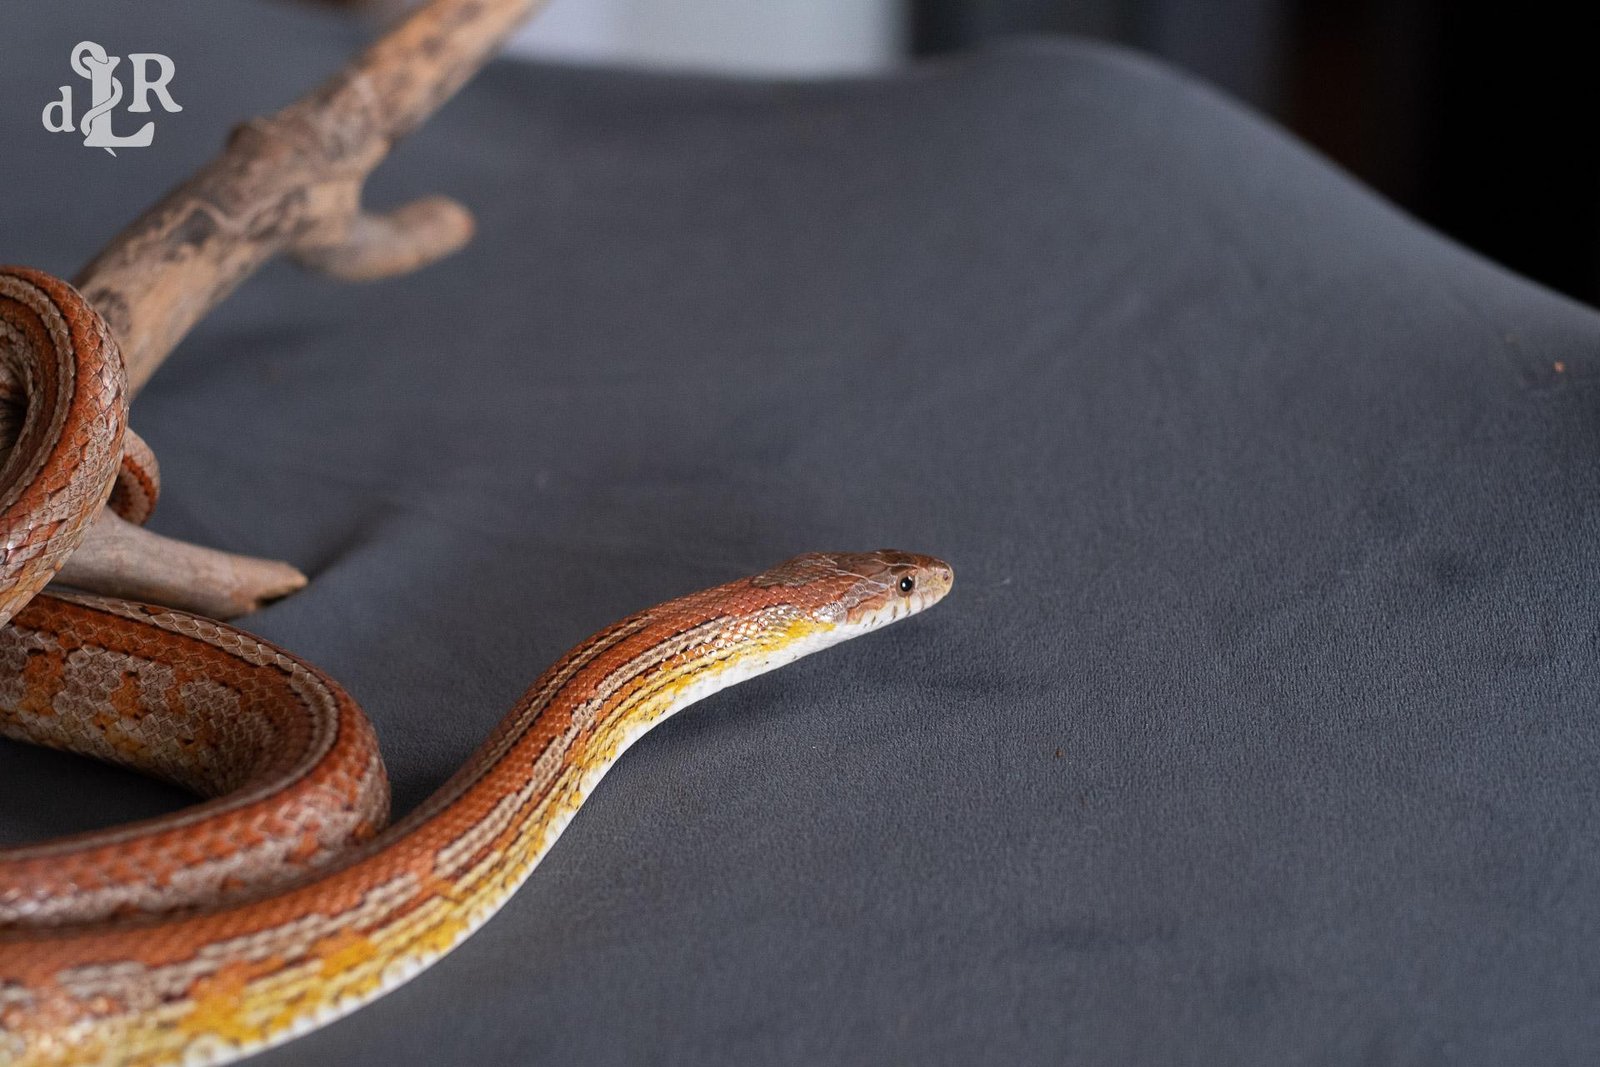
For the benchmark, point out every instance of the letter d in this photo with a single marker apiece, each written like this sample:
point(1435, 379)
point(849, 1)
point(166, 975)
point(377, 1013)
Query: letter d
point(63, 108)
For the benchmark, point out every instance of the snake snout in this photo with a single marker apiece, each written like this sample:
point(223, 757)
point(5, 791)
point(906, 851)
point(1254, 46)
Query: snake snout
point(922, 581)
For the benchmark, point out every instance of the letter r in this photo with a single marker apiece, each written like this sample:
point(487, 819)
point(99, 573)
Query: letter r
point(143, 84)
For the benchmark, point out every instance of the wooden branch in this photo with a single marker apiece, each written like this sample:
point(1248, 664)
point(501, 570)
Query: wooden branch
point(292, 182)
point(120, 559)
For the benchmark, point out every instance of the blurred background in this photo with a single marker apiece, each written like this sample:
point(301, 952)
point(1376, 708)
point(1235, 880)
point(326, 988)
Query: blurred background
point(1474, 117)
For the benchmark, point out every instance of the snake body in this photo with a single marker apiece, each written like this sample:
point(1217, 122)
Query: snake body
point(63, 371)
point(280, 904)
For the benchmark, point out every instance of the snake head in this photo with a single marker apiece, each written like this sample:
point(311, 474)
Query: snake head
point(860, 591)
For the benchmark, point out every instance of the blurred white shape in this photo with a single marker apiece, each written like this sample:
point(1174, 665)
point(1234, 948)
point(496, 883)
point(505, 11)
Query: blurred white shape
point(781, 37)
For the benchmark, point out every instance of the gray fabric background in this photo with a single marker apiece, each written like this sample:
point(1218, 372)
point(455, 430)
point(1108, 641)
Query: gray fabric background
point(1260, 727)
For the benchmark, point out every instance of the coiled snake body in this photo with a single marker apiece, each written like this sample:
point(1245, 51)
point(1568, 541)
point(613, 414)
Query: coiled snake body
point(281, 903)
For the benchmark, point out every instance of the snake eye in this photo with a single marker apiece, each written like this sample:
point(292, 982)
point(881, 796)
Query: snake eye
point(907, 584)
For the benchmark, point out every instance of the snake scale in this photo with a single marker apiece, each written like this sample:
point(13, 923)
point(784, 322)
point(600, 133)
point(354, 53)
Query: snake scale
point(281, 902)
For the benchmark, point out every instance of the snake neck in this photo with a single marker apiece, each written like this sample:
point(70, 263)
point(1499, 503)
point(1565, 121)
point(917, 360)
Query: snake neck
point(606, 693)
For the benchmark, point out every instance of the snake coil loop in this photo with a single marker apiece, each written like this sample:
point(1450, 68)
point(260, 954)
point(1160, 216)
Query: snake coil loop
point(61, 355)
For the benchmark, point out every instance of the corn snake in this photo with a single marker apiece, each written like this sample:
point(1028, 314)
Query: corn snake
point(281, 903)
